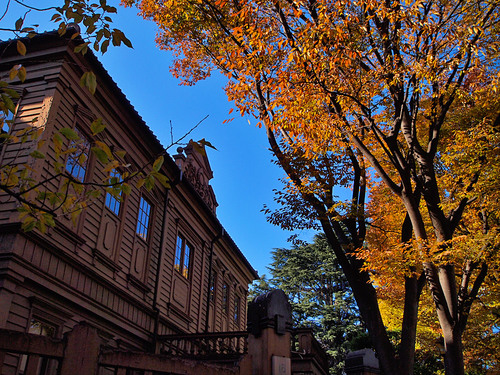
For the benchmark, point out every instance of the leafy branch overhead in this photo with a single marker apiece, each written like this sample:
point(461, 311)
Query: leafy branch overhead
point(39, 203)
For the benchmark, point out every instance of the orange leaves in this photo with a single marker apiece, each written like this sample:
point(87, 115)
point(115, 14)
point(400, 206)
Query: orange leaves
point(337, 71)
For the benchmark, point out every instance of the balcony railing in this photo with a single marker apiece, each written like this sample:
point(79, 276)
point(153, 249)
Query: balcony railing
point(306, 347)
point(216, 345)
point(230, 346)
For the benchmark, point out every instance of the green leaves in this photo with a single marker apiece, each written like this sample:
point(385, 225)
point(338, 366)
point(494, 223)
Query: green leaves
point(37, 155)
point(40, 208)
point(100, 154)
point(118, 37)
point(162, 179)
point(97, 126)
point(82, 48)
point(70, 134)
point(318, 291)
point(8, 103)
point(19, 24)
point(89, 81)
point(158, 163)
point(199, 146)
point(18, 71)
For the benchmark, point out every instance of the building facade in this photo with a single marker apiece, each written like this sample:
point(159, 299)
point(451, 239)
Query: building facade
point(153, 263)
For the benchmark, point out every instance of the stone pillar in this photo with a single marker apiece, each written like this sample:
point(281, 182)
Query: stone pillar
point(81, 354)
point(269, 326)
point(362, 362)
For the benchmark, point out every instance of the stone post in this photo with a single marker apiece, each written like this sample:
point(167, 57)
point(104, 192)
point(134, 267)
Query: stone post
point(269, 327)
point(81, 354)
point(362, 362)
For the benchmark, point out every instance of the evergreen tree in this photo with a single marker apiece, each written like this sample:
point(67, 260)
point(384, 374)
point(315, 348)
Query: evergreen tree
point(319, 294)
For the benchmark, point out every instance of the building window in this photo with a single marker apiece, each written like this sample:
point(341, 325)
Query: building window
point(113, 202)
point(45, 365)
point(225, 295)
point(38, 327)
point(143, 219)
point(212, 287)
point(237, 301)
point(78, 157)
point(182, 256)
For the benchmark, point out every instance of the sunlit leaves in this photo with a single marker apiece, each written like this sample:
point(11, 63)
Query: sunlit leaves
point(18, 71)
point(40, 204)
point(364, 82)
point(97, 126)
point(158, 163)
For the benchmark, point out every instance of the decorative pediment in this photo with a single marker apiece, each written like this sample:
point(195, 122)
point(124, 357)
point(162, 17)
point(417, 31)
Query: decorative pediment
point(196, 169)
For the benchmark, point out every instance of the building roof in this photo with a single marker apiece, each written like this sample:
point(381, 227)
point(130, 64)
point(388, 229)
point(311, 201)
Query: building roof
point(52, 38)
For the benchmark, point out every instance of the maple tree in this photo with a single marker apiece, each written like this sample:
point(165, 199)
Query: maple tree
point(476, 238)
point(352, 89)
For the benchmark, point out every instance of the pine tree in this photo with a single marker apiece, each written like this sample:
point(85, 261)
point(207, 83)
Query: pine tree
point(319, 294)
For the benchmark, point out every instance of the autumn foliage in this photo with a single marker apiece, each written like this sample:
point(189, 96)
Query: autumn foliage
point(399, 93)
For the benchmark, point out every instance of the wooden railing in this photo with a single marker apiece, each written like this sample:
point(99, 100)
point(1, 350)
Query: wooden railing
point(214, 345)
point(73, 360)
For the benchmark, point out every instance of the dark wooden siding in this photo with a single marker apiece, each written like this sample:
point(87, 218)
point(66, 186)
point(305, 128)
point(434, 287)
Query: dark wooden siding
point(69, 269)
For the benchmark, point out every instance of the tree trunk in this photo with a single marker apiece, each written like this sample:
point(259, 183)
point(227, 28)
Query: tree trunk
point(453, 356)
point(413, 289)
point(366, 299)
point(441, 285)
point(443, 289)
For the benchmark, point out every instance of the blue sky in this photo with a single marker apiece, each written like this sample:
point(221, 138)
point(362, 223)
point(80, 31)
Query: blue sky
point(244, 176)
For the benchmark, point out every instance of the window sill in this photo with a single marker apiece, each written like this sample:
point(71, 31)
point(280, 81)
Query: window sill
point(138, 283)
point(104, 259)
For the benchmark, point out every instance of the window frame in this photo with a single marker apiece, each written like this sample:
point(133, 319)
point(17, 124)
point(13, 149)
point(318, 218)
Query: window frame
point(182, 263)
point(45, 365)
point(225, 298)
point(112, 203)
point(237, 309)
point(213, 287)
point(142, 228)
point(79, 165)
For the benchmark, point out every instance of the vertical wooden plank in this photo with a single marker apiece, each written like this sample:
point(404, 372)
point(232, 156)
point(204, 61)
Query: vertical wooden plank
point(2, 357)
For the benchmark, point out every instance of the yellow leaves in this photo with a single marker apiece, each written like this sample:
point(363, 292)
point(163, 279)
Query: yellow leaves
point(111, 166)
point(158, 163)
point(97, 126)
point(21, 48)
point(82, 48)
point(18, 71)
point(70, 134)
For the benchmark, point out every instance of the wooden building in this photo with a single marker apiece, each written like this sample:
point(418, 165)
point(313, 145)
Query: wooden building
point(157, 262)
